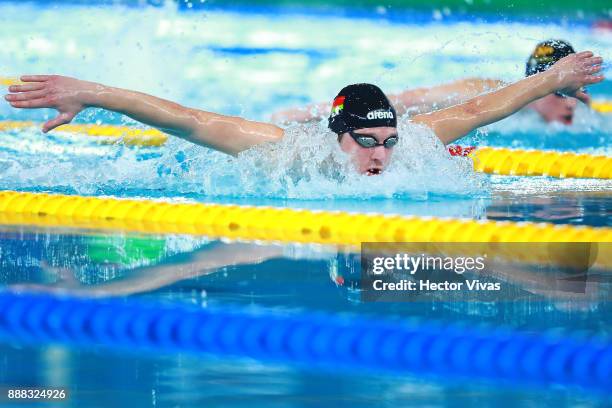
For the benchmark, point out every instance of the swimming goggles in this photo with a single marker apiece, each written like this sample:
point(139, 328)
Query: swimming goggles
point(560, 95)
point(370, 141)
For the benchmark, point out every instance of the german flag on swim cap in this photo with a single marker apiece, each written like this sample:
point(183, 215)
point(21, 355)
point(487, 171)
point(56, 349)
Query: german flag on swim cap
point(360, 106)
point(546, 54)
point(337, 105)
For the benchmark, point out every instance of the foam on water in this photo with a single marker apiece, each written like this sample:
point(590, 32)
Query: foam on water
point(306, 164)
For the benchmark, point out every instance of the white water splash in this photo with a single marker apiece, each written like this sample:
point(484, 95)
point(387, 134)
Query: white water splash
point(306, 164)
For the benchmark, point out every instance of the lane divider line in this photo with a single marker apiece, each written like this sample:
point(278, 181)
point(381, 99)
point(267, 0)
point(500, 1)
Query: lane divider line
point(273, 224)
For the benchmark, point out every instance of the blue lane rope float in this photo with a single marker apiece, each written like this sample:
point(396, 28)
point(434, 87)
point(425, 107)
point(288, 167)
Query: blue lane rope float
point(310, 339)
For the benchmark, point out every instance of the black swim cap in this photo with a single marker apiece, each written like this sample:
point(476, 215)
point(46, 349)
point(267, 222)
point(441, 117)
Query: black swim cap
point(361, 106)
point(546, 54)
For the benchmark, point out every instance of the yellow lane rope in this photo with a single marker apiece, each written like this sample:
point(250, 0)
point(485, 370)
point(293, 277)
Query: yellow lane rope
point(541, 163)
point(301, 226)
point(104, 133)
point(602, 106)
point(273, 224)
point(7, 81)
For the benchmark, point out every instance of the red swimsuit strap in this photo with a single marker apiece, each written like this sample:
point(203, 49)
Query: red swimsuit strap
point(455, 150)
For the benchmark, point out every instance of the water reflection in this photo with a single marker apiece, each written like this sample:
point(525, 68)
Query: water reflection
point(213, 273)
point(197, 270)
point(589, 208)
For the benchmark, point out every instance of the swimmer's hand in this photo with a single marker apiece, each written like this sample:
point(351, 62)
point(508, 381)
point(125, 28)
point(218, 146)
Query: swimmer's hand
point(67, 95)
point(572, 73)
point(568, 76)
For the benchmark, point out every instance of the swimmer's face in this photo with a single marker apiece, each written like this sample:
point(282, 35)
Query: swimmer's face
point(373, 160)
point(554, 108)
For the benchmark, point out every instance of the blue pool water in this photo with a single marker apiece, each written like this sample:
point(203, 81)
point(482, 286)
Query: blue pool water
point(289, 279)
point(253, 64)
point(275, 62)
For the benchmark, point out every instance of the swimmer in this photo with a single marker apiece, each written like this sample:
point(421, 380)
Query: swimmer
point(362, 117)
point(554, 107)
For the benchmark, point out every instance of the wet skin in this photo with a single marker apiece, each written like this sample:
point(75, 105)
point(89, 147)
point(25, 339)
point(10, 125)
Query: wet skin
point(554, 108)
point(369, 161)
point(232, 135)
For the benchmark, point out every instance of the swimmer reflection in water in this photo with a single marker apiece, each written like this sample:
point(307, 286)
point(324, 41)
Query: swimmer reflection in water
point(362, 116)
point(554, 107)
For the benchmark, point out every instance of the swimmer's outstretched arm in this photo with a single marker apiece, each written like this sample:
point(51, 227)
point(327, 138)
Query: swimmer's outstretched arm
point(70, 96)
point(308, 113)
point(422, 100)
point(419, 100)
point(567, 76)
point(179, 267)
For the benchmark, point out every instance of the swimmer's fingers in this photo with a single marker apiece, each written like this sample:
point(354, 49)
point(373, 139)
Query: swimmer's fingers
point(35, 78)
point(584, 54)
point(31, 103)
point(592, 69)
point(25, 96)
point(593, 61)
point(34, 86)
point(581, 93)
point(592, 65)
point(586, 98)
point(582, 97)
point(59, 120)
point(593, 79)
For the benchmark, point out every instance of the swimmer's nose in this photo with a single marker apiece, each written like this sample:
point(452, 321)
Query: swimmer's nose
point(571, 103)
point(378, 153)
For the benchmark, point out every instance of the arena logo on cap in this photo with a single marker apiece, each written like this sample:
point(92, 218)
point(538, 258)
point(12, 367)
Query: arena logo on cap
point(380, 114)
